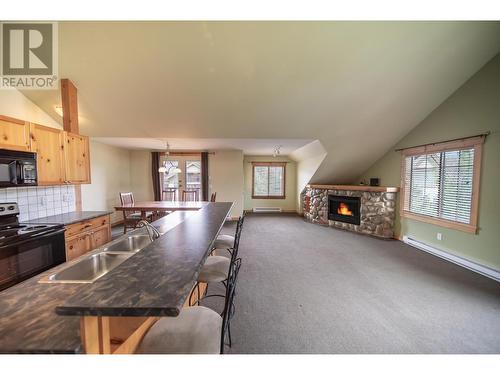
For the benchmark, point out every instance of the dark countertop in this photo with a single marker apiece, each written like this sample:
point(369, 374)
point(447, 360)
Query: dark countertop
point(157, 280)
point(28, 322)
point(69, 218)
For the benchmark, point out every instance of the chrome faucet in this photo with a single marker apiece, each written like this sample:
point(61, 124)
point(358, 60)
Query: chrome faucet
point(152, 231)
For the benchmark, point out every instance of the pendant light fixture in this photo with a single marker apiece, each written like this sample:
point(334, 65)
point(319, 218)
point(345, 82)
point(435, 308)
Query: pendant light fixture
point(164, 168)
point(276, 151)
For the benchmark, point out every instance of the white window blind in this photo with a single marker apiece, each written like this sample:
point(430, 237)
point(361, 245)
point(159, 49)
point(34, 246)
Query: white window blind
point(439, 184)
point(269, 181)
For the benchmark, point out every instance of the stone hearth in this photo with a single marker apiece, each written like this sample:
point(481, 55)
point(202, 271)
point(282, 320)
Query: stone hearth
point(378, 207)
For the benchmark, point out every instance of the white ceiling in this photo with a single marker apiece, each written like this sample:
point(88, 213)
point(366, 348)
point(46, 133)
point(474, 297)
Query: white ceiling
point(357, 87)
point(249, 146)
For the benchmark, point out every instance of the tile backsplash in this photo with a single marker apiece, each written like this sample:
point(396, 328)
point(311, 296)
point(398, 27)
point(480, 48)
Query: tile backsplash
point(36, 202)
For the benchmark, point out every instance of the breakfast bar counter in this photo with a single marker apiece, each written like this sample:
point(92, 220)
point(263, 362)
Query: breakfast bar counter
point(156, 281)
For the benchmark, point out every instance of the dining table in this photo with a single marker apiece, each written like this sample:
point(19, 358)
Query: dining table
point(158, 207)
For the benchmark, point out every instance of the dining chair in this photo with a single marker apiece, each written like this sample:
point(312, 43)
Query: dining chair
point(190, 196)
point(213, 196)
point(130, 218)
point(169, 194)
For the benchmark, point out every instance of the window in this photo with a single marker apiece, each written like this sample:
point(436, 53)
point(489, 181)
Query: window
point(268, 180)
point(440, 183)
point(171, 177)
point(193, 175)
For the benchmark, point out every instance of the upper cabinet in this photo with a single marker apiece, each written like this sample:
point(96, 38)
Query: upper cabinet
point(48, 145)
point(62, 157)
point(76, 157)
point(14, 134)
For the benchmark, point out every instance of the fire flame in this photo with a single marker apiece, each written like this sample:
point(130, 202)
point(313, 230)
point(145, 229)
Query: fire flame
point(343, 209)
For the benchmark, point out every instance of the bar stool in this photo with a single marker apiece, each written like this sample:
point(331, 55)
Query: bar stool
point(216, 268)
point(196, 330)
point(226, 241)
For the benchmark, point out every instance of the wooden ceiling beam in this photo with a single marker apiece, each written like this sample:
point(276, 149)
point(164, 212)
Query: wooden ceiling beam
point(69, 98)
point(70, 106)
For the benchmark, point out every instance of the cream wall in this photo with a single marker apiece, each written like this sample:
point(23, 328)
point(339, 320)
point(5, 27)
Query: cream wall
point(15, 104)
point(308, 159)
point(225, 170)
point(141, 182)
point(290, 201)
point(110, 173)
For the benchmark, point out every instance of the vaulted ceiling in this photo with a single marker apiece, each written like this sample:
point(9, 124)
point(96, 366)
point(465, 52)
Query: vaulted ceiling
point(357, 87)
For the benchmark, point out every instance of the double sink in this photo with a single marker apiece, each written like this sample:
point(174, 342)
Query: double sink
point(89, 268)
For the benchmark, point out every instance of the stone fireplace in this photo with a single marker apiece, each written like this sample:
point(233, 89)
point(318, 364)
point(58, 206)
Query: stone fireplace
point(364, 209)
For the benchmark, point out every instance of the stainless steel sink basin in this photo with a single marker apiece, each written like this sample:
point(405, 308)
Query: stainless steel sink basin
point(88, 269)
point(132, 243)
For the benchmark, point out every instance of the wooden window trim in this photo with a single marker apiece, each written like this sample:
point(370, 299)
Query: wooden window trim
point(474, 142)
point(268, 164)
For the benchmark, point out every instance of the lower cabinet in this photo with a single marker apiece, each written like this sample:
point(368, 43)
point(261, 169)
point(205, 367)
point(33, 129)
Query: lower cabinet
point(100, 237)
point(87, 235)
point(76, 246)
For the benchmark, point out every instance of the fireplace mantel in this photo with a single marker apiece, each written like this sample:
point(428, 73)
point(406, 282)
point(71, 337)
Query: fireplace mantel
point(379, 189)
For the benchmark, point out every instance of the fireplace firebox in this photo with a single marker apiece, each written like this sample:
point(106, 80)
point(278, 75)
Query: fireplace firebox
point(344, 209)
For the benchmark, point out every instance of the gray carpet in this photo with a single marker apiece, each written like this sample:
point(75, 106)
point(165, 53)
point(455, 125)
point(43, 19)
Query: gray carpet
point(304, 288)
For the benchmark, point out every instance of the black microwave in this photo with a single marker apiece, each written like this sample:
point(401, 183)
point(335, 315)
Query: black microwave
point(17, 168)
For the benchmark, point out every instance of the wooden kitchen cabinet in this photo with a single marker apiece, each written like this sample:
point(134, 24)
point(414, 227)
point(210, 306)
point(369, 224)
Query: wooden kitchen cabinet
point(62, 157)
point(87, 235)
point(76, 158)
point(76, 246)
point(14, 134)
point(100, 236)
point(47, 143)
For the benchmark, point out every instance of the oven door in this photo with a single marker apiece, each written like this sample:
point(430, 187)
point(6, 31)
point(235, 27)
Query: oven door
point(24, 259)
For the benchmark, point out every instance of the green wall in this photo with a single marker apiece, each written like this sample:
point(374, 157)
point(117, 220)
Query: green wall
point(474, 108)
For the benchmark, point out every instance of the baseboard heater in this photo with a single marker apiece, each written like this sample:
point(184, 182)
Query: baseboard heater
point(463, 262)
point(266, 209)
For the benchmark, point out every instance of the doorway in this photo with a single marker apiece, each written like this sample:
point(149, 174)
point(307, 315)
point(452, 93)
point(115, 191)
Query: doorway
point(183, 175)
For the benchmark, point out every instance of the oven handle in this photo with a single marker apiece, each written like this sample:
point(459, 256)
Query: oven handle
point(46, 235)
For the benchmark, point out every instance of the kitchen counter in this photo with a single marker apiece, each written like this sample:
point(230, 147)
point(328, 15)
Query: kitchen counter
point(29, 324)
point(157, 280)
point(69, 218)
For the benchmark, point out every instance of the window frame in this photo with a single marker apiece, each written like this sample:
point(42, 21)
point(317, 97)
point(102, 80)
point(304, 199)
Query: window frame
point(473, 142)
point(269, 164)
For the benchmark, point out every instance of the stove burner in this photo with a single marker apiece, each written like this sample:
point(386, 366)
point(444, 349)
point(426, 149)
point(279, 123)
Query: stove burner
point(12, 231)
